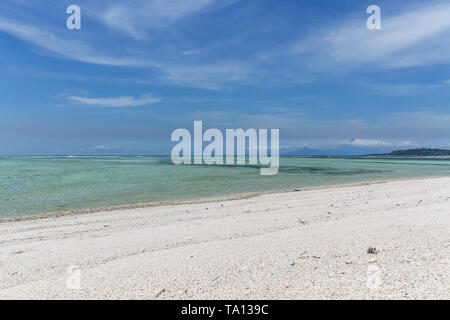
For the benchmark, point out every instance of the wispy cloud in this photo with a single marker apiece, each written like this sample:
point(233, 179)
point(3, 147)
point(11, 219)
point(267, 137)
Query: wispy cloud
point(191, 74)
point(172, 53)
point(136, 17)
point(376, 143)
point(408, 39)
point(118, 102)
point(101, 147)
point(70, 49)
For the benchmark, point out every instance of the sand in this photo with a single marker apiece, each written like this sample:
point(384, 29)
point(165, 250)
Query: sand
point(309, 244)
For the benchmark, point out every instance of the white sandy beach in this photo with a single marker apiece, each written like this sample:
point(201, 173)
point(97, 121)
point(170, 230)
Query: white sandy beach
point(292, 245)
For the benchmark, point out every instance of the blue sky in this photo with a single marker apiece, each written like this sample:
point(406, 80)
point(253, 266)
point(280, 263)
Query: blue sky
point(139, 69)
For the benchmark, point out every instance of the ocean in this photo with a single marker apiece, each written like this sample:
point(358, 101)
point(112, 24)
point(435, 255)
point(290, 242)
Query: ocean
point(30, 185)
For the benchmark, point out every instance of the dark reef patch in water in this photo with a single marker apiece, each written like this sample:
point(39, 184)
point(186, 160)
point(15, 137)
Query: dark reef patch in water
point(327, 170)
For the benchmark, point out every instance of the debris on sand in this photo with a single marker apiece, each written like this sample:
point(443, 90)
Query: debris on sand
point(160, 293)
point(372, 250)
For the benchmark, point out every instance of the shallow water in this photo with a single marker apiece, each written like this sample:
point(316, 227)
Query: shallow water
point(41, 184)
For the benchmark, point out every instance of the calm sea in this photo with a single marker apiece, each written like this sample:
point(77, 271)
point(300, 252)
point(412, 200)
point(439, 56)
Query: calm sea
point(40, 184)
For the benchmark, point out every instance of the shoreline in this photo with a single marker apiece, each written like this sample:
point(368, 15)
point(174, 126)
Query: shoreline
point(234, 196)
point(314, 244)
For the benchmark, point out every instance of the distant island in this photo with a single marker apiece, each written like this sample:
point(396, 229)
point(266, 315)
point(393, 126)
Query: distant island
point(423, 152)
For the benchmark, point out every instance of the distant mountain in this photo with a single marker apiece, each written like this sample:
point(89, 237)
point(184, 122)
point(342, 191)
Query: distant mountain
point(423, 152)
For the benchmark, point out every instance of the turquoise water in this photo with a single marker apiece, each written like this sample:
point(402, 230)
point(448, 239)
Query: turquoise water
point(41, 184)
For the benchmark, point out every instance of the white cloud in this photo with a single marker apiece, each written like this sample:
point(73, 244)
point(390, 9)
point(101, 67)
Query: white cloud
point(104, 147)
point(70, 49)
point(118, 102)
point(417, 37)
point(404, 144)
point(414, 38)
point(400, 41)
point(369, 142)
point(210, 76)
point(376, 143)
point(136, 17)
